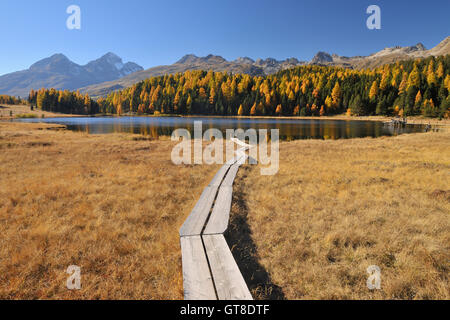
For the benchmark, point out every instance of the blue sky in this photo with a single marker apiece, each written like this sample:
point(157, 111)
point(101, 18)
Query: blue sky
point(160, 32)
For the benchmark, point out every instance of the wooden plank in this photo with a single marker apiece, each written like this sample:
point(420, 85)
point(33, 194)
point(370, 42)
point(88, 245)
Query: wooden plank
point(209, 269)
point(220, 216)
point(196, 221)
point(233, 160)
point(197, 280)
point(231, 175)
point(217, 180)
point(228, 280)
point(242, 160)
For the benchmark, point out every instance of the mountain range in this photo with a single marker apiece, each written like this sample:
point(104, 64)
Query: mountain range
point(269, 66)
point(59, 72)
point(191, 62)
point(109, 73)
point(385, 56)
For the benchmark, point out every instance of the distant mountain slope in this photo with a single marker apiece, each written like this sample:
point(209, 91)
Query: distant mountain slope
point(385, 56)
point(59, 72)
point(243, 65)
point(188, 62)
point(269, 66)
point(109, 73)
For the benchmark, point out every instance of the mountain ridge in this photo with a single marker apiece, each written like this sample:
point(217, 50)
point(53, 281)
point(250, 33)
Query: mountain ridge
point(269, 66)
point(59, 72)
point(389, 55)
point(108, 73)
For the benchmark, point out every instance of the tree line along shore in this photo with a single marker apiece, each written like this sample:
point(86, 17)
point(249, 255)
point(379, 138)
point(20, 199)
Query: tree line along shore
point(407, 88)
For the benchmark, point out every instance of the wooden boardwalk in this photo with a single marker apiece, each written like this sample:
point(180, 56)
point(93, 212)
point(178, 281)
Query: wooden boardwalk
point(209, 269)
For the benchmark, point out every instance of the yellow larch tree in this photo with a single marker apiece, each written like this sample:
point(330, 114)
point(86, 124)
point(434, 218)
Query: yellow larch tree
point(418, 98)
point(328, 102)
point(322, 111)
point(336, 95)
point(414, 78)
point(440, 70)
point(373, 90)
point(279, 110)
point(447, 82)
point(212, 96)
point(253, 110)
point(241, 111)
point(402, 86)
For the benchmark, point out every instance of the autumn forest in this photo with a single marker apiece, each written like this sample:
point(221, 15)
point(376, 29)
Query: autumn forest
point(415, 87)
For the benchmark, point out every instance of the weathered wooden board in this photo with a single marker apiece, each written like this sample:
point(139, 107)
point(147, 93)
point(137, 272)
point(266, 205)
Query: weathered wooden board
point(220, 216)
point(231, 175)
point(228, 280)
point(209, 269)
point(233, 160)
point(217, 180)
point(196, 221)
point(197, 280)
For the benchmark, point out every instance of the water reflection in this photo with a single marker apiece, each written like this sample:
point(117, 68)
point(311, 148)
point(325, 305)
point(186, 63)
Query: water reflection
point(289, 129)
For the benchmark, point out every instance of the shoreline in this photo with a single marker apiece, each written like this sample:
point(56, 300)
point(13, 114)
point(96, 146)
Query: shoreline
point(411, 120)
point(25, 110)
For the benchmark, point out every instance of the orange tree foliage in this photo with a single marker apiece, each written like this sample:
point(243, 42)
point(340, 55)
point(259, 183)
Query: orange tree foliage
point(387, 90)
point(9, 100)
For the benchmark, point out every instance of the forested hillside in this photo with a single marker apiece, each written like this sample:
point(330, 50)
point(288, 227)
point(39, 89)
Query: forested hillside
point(5, 99)
point(405, 88)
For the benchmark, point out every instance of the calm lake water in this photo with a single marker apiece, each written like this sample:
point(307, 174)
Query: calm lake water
point(289, 129)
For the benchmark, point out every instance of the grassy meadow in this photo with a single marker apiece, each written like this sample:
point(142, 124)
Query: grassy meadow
point(24, 111)
point(337, 207)
point(111, 204)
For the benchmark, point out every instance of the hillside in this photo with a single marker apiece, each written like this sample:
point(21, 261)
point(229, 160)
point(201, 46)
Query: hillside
point(188, 62)
point(59, 72)
point(109, 73)
point(269, 66)
point(407, 88)
point(385, 56)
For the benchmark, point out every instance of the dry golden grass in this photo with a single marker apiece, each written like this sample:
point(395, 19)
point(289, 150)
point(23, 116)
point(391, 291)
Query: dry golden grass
point(113, 205)
point(337, 207)
point(109, 204)
point(5, 112)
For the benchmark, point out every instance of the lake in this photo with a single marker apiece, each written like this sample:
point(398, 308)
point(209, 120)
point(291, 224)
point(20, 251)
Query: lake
point(290, 129)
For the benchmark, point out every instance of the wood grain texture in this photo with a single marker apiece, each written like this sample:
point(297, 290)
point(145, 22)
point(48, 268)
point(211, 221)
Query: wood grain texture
point(196, 221)
point(209, 269)
point(228, 181)
point(217, 180)
point(220, 216)
point(229, 283)
point(197, 280)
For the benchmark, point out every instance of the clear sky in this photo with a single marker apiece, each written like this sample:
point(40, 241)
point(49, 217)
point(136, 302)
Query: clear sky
point(152, 32)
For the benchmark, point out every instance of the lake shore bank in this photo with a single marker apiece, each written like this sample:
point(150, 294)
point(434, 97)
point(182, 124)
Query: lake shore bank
point(24, 110)
point(411, 120)
point(11, 112)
